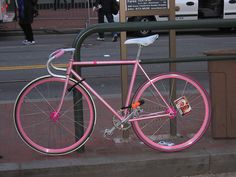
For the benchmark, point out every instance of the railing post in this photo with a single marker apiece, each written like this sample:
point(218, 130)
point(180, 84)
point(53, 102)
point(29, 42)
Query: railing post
point(78, 115)
point(172, 66)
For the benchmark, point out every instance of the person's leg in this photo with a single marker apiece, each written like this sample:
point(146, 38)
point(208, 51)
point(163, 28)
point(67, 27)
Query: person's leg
point(29, 32)
point(110, 19)
point(55, 5)
point(58, 4)
point(66, 5)
point(101, 20)
point(23, 27)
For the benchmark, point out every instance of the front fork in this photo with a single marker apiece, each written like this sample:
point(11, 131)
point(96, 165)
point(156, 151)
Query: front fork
point(55, 115)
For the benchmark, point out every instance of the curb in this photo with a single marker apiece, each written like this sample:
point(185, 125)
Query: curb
point(40, 32)
point(140, 165)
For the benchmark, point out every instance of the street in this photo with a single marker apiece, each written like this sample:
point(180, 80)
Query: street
point(233, 174)
point(19, 64)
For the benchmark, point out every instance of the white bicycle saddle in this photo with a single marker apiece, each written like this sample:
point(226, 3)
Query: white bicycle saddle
point(144, 41)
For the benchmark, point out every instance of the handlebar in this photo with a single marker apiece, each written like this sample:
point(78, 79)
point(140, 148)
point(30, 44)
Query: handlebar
point(58, 53)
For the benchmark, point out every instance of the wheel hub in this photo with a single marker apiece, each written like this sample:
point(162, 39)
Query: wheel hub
point(54, 116)
point(172, 113)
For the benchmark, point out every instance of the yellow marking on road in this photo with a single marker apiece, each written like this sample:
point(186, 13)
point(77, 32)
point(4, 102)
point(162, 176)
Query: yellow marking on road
point(27, 67)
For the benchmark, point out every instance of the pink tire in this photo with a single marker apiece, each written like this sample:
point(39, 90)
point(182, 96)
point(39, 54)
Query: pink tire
point(45, 131)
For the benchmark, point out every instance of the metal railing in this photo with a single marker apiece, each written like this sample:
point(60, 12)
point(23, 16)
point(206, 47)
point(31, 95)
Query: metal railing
point(165, 25)
point(168, 25)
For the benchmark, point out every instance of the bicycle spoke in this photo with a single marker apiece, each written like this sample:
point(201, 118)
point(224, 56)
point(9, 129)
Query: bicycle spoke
point(185, 86)
point(156, 95)
point(71, 107)
point(45, 130)
point(36, 124)
point(34, 114)
point(44, 98)
point(181, 129)
point(71, 120)
point(67, 130)
point(161, 105)
point(37, 107)
point(160, 127)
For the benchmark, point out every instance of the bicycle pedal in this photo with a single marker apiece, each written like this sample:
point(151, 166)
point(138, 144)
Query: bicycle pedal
point(108, 132)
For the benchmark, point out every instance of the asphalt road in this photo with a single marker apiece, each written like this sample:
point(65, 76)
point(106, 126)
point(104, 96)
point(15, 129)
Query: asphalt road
point(20, 64)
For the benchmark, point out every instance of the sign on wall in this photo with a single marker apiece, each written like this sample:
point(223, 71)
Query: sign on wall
point(146, 4)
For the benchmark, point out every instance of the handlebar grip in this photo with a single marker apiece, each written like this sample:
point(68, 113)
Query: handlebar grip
point(59, 53)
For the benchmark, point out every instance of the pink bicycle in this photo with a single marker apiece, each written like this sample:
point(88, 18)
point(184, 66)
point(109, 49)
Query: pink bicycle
point(56, 114)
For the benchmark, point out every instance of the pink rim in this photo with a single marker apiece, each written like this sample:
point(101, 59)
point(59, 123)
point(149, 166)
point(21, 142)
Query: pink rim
point(42, 149)
point(200, 132)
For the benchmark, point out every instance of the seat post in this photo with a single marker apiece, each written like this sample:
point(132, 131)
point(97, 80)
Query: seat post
point(139, 52)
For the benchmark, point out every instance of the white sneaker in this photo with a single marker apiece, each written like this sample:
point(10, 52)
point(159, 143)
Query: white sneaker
point(100, 39)
point(26, 42)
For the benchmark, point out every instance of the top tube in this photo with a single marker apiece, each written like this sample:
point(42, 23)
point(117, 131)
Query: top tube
point(105, 63)
point(60, 52)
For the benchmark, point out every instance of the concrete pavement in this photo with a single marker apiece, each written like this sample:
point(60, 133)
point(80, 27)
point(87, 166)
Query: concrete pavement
point(103, 157)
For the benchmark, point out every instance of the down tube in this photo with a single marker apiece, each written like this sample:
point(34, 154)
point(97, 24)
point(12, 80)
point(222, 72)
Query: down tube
point(134, 74)
point(87, 86)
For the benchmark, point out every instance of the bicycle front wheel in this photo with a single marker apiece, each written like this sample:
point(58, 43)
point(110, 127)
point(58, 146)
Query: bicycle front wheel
point(41, 129)
point(191, 107)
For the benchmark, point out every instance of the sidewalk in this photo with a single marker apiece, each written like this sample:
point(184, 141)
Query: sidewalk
point(50, 20)
point(104, 157)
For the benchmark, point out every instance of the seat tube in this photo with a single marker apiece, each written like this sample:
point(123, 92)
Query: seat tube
point(134, 74)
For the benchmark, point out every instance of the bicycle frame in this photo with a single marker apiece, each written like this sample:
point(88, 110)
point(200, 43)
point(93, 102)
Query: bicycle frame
point(163, 98)
point(136, 65)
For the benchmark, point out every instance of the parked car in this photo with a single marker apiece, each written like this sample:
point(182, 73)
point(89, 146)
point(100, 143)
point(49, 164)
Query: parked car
point(191, 10)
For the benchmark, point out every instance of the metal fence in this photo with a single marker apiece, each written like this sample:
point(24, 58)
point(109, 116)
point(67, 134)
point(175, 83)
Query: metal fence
point(60, 14)
point(64, 4)
point(71, 13)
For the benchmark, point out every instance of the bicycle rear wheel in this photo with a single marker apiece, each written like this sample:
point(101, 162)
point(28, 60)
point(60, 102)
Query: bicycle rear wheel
point(37, 125)
point(186, 127)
